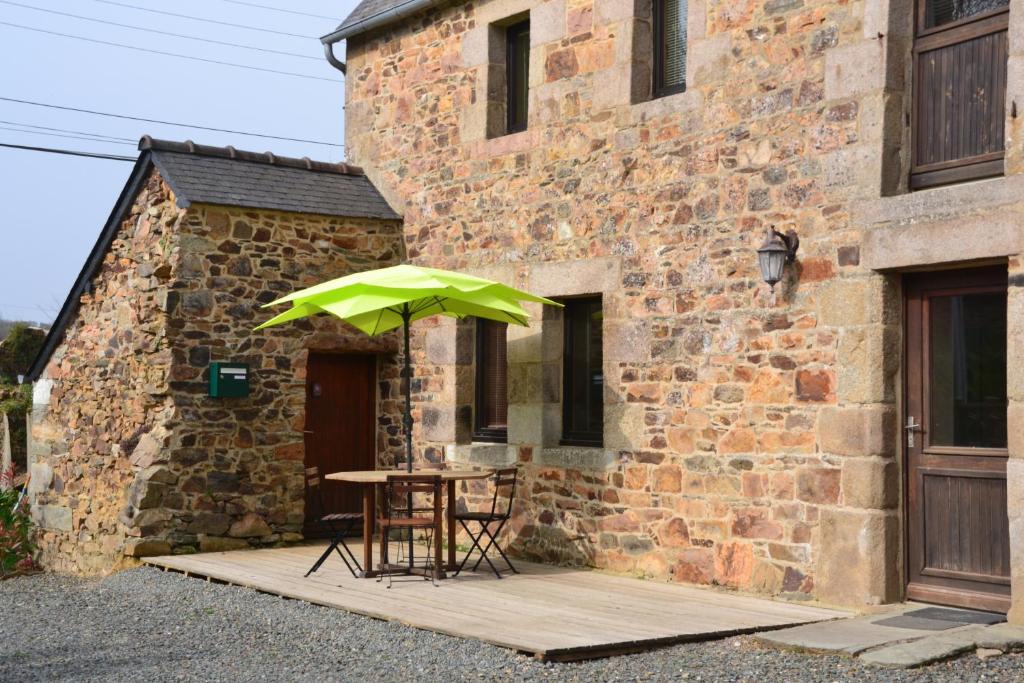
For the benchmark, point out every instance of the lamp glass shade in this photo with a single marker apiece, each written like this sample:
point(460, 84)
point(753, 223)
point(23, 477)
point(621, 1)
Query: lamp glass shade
point(772, 258)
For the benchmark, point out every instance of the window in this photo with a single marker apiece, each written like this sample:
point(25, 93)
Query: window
point(517, 69)
point(583, 395)
point(669, 47)
point(959, 98)
point(491, 421)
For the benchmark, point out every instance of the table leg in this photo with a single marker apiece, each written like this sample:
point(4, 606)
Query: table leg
point(369, 514)
point(450, 518)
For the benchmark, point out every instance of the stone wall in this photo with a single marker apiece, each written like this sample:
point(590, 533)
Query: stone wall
point(750, 438)
point(131, 457)
point(237, 464)
point(104, 399)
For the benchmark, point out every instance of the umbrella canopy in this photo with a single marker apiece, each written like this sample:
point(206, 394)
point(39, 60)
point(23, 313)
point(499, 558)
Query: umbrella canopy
point(377, 301)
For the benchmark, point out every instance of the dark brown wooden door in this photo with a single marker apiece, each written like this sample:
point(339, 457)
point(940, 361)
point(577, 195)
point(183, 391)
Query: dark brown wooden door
point(958, 541)
point(341, 420)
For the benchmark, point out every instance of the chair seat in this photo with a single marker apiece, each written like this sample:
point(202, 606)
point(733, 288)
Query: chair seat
point(478, 516)
point(406, 521)
point(343, 517)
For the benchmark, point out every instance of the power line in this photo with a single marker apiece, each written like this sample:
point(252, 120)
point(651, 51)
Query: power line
point(62, 135)
point(168, 54)
point(69, 152)
point(168, 123)
point(209, 21)
point(165, 33)
point(65, 130)
point(49, 311)
point(278, 9)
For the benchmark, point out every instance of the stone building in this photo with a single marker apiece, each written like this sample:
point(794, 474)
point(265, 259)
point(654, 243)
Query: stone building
point(130, 455)
point(681, 420)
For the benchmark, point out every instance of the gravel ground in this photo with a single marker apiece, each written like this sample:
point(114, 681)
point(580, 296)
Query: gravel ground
point(147, 625)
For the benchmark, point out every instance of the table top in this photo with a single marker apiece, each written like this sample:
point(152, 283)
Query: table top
point(381, 476)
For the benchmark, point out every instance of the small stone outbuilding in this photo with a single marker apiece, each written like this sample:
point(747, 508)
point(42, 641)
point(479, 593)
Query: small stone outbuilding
point(129, 454)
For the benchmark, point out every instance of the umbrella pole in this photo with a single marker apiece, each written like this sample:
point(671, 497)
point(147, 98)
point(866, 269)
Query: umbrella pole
point(407, 418)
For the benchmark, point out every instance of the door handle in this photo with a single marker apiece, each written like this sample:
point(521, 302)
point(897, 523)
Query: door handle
point(911, 427)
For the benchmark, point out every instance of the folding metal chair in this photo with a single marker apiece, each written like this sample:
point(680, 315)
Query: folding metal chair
point(339, 524)
point(503, 479)
point(398, 514)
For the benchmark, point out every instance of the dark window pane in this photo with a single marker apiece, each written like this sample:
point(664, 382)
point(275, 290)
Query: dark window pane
point(939, 12)
point(967, 377)
point(583, 399)
point(491, 412)
point(669, 46)
point(518, 74)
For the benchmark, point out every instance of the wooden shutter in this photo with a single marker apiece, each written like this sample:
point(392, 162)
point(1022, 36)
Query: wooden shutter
point(491, 422)
point(582, 362)
point(960, 55)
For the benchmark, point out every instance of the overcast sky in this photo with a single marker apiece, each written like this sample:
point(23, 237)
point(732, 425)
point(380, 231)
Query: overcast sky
point(53, 206)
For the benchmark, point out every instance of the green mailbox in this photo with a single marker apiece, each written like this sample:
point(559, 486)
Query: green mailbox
point(229, 380)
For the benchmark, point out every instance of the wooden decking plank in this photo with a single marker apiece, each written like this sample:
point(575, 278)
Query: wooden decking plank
point(617, 612)
point(551, 612)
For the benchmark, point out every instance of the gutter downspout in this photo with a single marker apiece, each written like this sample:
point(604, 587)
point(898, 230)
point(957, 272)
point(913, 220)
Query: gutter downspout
point(388, 16)
point(332, 60)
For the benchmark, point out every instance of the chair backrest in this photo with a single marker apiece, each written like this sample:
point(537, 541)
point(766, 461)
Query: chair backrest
point(426, 465)
point(398, 487)
point(313, 485)
point(504, 482)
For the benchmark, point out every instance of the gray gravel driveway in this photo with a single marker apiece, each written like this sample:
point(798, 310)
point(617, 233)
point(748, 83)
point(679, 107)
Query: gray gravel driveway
point(147, 625)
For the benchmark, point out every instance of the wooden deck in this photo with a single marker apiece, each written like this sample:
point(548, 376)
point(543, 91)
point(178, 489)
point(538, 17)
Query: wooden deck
point(549, 612)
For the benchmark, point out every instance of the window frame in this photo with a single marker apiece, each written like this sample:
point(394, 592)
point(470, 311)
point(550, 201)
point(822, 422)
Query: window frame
point(482, 432)
point(512, 77)
point(658, 87)
point(576, 437)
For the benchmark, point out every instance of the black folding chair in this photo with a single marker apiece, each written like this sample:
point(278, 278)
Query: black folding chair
point(503, 479)
point(339, 524)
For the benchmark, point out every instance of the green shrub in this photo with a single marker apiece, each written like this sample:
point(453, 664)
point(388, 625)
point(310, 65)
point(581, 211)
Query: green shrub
point(15, 533)
point(16, 401)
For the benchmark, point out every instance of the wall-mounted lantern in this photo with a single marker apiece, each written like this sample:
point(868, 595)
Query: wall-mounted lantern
point(776, 251)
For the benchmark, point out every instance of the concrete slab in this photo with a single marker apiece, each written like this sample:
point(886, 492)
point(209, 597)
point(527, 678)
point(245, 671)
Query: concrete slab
point(934, 648)
point(1003, 637)
point(846, 636)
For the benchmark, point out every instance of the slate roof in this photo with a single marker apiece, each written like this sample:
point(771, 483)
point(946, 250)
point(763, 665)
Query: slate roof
point(228, 177)
point(224, 175)
point(368, 9)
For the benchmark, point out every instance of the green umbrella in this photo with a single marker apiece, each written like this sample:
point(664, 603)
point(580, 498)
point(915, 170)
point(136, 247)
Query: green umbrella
point(378, 301)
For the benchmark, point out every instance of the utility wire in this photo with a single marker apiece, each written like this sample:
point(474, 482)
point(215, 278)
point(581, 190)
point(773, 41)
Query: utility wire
point(62, 135)
point(164, 33)
point(167, 123)
point(209, 21)
point(278, 9)
point(65, 130)
point(69, 152)
point(168, 54)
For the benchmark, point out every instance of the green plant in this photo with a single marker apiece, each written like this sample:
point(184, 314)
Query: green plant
point(18, 350)
point(15, 533)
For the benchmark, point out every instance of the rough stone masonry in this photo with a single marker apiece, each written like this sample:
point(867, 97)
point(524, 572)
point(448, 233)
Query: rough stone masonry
point(131, 458)
point(750, 440)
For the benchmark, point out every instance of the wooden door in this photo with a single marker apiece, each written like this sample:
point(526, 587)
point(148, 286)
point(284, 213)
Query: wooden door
point(958, 542)
point(341, 418)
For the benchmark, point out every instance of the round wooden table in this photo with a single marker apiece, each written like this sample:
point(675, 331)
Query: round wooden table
point(371, 480)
